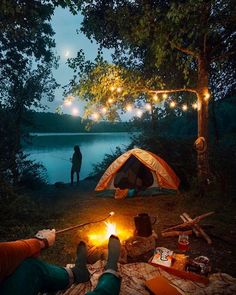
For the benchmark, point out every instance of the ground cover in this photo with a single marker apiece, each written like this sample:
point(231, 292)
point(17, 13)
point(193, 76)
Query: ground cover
point(64, 206)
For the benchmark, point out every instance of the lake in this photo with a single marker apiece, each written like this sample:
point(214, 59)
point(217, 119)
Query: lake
point(54, 151)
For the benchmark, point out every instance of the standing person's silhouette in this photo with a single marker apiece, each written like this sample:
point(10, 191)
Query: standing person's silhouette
point(76, 164)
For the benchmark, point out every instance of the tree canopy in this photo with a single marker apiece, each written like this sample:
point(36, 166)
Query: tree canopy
point(158, 46)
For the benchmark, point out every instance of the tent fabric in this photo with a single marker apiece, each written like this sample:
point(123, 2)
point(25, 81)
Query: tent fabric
point(164, 176)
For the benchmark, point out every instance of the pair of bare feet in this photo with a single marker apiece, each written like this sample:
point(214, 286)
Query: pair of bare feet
point(80, 270)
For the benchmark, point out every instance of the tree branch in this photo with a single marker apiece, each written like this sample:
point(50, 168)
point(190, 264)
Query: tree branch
point(173, 90)
point(222, 56)
point(182, 49)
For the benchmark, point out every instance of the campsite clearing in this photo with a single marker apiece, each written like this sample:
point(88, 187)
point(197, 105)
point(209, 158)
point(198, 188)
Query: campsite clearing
point(68, 206)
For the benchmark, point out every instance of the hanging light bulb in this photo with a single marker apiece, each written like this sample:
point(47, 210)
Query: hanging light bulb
point(67, 102)
point(206, 95)
point(139, 113)
point(129, 107)
point(119, 89)
point(164, 95)
point(104, 110)
point(172, 104)
point(148, 106)
point(184, 107)
point(155, 97)
point(95, 116)
point(194, 105)
point(75, 112)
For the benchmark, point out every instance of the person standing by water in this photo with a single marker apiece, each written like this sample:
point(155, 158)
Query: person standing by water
point(76, 164)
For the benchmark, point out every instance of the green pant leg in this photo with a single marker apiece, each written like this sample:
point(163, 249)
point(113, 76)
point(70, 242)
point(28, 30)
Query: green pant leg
point(33, 276)
point(108, 284)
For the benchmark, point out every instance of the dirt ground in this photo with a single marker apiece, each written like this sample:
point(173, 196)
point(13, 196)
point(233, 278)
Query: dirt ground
point(75, 205)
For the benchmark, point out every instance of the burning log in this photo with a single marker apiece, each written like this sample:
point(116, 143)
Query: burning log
point(176, 233)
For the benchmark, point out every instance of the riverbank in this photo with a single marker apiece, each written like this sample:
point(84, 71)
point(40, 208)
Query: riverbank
point(60, 206)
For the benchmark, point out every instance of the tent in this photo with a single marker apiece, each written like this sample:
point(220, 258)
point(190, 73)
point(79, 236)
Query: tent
point(138, 169)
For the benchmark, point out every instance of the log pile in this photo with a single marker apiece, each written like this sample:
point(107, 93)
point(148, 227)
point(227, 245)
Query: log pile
point(188, 227)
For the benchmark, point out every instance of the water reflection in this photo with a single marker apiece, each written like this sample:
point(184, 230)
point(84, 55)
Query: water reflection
point(55, 150)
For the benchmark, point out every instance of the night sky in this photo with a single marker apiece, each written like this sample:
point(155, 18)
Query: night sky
point(68, 43)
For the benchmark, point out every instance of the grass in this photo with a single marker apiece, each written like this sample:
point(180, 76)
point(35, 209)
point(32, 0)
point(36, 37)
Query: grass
point(62, 207)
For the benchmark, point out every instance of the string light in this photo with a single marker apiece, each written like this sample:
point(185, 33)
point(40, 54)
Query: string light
point(164, 95)
point(104, 110)
point(67, 102)
point(129, 108)
point(206, 96)
point(155, 97)
point(148, 106)
point(110, 100)
point(112, 88)
point(95, 116)
point(75, 112)
point(194, 105)
point(172, 104)
point(139, 113)
point(184, 107)
point(119, 89)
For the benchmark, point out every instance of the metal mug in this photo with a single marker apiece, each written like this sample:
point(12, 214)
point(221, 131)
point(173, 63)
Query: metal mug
point(143, 224)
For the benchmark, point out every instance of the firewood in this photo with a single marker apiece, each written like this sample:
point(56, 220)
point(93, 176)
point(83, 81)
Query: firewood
point(185, 217)
point(200, 230)
point(189, 223)
point(176, 233)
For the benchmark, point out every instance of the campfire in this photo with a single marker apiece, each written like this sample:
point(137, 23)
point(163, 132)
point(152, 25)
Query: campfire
point(101, 235)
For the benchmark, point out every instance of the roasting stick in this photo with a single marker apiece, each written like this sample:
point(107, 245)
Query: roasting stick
point(83, 224)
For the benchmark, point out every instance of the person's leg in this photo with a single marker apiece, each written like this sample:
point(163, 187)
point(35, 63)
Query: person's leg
point(109, 282)
point(77, 175)
point(71, 176)
point(80, 271)
point(34, 276)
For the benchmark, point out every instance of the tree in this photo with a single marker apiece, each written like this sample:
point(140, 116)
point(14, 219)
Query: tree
point(172, 46)
point(26, 61)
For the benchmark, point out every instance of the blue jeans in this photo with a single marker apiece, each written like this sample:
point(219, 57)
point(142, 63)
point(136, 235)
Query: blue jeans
point(34, 276)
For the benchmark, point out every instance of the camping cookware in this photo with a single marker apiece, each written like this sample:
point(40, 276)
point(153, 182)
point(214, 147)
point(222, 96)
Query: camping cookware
point(143, 224)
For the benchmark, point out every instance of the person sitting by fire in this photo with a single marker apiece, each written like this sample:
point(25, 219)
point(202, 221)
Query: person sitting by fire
point(22, 273)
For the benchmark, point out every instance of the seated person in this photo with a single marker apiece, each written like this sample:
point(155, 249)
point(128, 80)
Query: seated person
point(22, 273)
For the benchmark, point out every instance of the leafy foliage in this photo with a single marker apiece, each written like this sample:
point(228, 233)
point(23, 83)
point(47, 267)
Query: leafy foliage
point(26, 61)
point(155, 49)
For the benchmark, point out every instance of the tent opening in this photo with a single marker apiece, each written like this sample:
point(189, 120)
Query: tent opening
point(133, 175)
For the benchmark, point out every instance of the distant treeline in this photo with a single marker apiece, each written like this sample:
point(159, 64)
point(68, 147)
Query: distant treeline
point(53, 122)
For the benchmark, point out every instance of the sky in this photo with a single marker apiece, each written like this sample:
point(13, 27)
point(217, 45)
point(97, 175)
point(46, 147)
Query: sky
point(68, 43)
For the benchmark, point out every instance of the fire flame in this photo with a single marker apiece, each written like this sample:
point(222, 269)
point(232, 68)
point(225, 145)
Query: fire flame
point(102, 235)
point(111, 229)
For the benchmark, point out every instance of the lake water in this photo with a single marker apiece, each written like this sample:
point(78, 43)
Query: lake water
point(55, 150)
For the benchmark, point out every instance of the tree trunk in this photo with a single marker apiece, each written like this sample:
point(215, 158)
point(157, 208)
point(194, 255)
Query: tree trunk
point(203, 97)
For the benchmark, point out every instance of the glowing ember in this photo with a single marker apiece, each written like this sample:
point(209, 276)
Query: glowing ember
point(101, 236)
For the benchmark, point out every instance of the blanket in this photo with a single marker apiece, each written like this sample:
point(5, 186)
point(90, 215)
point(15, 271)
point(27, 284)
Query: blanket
point(134, 276)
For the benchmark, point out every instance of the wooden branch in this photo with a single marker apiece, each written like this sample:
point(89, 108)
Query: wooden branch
point(173, 90)
point(176, 233)
point(182, 49)
point(199, 230)
point(185, 218)
point(222, 56)
point(189, 223)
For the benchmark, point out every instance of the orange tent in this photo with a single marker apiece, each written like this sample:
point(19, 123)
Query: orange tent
point(138, 169)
